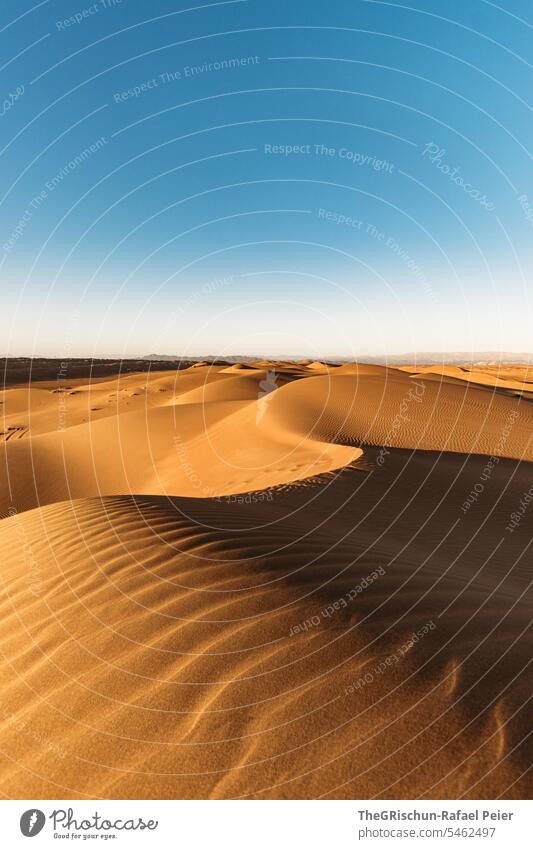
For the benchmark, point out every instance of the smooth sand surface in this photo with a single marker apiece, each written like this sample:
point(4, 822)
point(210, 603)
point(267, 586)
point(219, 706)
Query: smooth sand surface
point(267, 580)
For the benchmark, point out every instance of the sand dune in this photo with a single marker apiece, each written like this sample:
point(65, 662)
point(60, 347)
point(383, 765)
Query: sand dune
point(266, 580)
point(206, 432)
point(221, 430)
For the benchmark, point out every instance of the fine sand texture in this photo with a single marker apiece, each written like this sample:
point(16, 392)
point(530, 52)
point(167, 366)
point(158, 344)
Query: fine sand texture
point(267, 580)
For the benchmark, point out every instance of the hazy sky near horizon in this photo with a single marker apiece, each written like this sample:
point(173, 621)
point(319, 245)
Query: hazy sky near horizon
point(325, 179)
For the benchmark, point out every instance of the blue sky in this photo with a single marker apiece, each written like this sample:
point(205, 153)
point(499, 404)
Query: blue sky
point(325, 179)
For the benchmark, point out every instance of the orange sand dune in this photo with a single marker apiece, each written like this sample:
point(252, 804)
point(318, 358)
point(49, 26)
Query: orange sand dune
point(206, 432)
point(220, 430)
point(279, 581)
point(517, 379)
point(377, 406)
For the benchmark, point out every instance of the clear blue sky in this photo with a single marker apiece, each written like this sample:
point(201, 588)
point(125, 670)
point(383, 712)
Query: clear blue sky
point(318, 178)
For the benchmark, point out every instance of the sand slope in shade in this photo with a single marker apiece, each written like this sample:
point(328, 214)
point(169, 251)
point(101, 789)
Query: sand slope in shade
point(158, 648)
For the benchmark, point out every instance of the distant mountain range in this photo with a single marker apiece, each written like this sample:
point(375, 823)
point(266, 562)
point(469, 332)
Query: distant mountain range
point(165, 358)
point(421, 358)
point(455, 358)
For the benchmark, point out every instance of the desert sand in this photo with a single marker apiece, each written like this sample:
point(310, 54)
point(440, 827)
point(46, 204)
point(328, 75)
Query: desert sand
point(267, 580)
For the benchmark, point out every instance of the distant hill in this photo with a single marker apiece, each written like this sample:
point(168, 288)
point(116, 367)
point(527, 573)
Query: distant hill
point(455, 358)
point(421, 358)
point(165, 358)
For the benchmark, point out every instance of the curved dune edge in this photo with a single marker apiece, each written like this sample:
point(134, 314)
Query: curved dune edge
point(202, 432)
point(214, 430)
point(197, 648)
